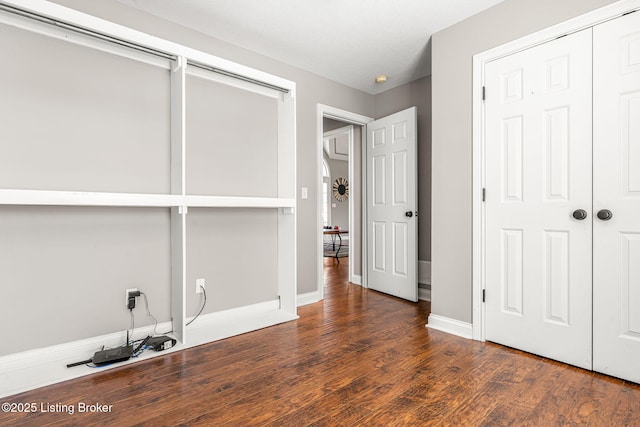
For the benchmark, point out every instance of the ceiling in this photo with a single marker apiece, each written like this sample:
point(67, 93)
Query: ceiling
point(347, 41)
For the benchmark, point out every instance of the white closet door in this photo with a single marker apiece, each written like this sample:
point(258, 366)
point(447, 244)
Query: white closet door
point(616, 269)
point(538, 172)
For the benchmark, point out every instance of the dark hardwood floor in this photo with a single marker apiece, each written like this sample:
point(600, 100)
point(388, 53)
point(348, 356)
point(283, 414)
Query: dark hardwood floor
point(358, 358)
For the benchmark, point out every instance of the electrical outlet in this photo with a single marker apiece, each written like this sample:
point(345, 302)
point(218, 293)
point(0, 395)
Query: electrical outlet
point(126, 296)
point(199, 283)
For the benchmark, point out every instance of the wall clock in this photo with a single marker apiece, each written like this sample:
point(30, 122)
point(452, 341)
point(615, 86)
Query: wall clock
point(341, 189)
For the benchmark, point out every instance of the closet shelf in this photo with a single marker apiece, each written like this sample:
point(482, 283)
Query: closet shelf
point(238, 202)
point(84, 198)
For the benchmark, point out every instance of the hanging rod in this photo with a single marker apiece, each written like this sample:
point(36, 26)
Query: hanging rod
point(84, 31)
point(130, 45)
point(236, 76)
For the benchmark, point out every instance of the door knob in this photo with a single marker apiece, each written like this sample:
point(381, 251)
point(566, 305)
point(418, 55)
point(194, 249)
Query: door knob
point(605, 214)
point(408, 214)
point(579, 214)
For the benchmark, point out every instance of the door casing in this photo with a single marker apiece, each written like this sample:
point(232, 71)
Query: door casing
point(480, 60)
point(354, 119)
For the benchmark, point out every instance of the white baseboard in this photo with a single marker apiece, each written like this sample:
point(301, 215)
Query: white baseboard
point(356, 279)
point(424, 294)
point(450, 326)
point(424, 272)
point(308, 298)
point(44, 366)
point(40, 367)
point(236, 321)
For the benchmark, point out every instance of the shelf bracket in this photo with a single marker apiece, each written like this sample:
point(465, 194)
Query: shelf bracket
point(288, 95)
point(183, 210)
point(288, 211)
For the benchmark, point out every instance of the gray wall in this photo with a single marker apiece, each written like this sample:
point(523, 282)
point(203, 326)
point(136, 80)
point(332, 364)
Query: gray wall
point(98, 122)
point(237, 137)
point(311, 90)
point(339, 214)
point(138, 256)
point(64, 271)
point(452, 51)
point(415, 94)
point(57, 145)
point(339, 169)
point(235, 251)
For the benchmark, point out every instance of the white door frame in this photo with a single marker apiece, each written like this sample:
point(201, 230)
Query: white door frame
point(348, 130)
point(326, 180)
point(354, 119)
point(587, 20)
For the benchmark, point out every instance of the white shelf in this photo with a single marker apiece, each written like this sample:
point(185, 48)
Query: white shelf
point(28, 373)
point(86, 198)
point(82, 198)
point(238, 202)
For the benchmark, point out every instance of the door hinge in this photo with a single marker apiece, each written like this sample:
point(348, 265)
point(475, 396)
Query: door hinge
point(484, 194)
point(484, 295)
point(484, 93)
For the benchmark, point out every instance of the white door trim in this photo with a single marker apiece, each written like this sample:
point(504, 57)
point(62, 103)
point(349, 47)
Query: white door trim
point(479, 61)
point(354, 119)
point(348, 130)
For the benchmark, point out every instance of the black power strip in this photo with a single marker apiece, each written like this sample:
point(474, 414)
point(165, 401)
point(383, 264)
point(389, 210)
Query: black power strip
point(161, 343)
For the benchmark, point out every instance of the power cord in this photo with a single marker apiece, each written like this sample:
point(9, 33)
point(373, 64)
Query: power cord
point(137, 351)
point(155, 324)
point(204, 294)
point(133, 324)
point(146, 305)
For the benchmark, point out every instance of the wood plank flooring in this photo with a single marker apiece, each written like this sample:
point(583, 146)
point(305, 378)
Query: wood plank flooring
point(358, 358)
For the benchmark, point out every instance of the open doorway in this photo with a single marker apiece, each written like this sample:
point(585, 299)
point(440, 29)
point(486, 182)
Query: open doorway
point(384, 255)
point(340, 194)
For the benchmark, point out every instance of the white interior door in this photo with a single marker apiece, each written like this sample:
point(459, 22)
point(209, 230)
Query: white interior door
point(392, 205)
point(538, 173)
point(616, 268)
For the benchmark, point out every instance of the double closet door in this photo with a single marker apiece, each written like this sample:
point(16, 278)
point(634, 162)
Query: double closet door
point(562, 209)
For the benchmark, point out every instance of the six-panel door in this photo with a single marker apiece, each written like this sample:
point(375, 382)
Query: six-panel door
point(538, 173)
point(616, 188)
point(557, 248)
point(391, 205)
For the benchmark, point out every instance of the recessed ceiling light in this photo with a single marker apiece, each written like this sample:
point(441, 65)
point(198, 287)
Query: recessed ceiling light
point(381, 78)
